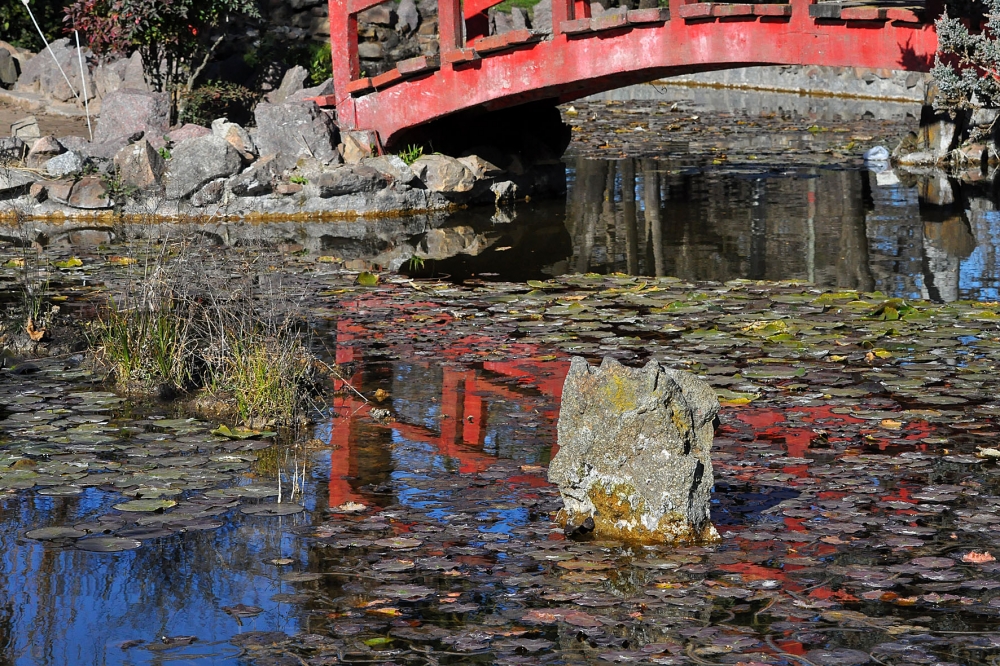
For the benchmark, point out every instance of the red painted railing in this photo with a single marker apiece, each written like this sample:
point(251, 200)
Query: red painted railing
point(585, 55)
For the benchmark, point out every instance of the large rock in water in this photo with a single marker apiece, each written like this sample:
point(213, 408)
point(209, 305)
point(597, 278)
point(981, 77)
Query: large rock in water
point(635, 452)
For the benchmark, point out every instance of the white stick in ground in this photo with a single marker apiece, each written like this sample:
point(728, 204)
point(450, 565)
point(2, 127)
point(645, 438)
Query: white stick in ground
point(83, 84)
point(49, 48)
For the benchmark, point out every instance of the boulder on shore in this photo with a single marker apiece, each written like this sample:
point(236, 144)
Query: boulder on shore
point(293, 130)
point(634, 461)
point(126, 112)
point(196, 162)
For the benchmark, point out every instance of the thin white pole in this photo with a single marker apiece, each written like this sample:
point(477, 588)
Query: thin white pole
point(46, 42)
point(83, 84)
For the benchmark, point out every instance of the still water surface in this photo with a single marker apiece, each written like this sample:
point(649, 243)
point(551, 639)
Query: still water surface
point(853, 228)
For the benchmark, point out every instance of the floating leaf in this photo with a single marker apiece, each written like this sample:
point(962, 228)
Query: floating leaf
point(242, 433)
point(366, 279)
point(146, 505)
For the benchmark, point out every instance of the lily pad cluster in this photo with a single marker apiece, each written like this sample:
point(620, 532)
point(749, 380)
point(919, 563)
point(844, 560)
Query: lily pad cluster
point(148, 478)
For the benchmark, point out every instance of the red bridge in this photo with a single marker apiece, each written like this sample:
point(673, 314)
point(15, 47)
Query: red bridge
point(585, 55)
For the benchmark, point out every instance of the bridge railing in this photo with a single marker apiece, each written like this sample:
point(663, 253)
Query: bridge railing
point(463, 33)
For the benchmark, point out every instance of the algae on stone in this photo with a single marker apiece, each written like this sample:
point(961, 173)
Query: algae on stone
point(635, 452)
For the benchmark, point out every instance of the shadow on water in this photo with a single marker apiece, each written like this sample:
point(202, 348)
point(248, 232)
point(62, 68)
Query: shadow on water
point(916, 236)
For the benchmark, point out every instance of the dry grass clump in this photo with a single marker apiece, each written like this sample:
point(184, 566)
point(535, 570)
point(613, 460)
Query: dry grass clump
point(188, 316)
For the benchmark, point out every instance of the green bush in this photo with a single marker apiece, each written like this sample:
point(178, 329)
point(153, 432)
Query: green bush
point(217, 100)
point(320, 64)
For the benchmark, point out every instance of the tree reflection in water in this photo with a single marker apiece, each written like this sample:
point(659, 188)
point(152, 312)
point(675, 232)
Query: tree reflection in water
point(926, 236)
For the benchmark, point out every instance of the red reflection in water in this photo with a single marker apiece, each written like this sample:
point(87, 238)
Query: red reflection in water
point(465, 394)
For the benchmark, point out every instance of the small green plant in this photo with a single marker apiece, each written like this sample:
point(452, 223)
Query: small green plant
point(411, 154)
point(320, 64)
point(118, 191)
point(298, 180)
point(416, 263)
point(143, 346)
point(164, 153)
point(266, 375)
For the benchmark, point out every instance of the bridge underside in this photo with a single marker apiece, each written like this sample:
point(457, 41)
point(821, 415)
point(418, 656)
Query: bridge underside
point(610, 53)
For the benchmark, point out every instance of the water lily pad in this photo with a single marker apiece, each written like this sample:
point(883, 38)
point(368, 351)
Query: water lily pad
point(398, 542)
point(272, 509)
point(242, 433)
point(300, 577)
point(404, 592)
point(144, 505)
point(51, 533)
point(107, 544)
point(61, 491)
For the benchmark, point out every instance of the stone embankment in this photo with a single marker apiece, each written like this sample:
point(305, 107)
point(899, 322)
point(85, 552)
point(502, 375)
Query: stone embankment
point(295, 161)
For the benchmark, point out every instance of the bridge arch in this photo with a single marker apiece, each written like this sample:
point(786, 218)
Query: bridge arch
point(585, 55)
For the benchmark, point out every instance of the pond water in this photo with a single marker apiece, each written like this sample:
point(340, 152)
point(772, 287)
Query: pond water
point(856, 483)
point(831, 227)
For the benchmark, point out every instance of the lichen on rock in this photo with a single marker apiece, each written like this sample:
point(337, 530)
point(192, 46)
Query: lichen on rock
point(635, 452)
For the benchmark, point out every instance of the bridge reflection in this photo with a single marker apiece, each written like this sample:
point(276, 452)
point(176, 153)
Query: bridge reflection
point(469, 416)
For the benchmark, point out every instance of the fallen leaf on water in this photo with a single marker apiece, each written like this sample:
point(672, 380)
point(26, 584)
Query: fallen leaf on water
point(978, 558)
point(36, 334)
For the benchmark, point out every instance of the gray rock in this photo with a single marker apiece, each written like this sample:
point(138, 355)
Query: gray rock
point(541, 18)
point(257, 180)
point(383, 14)
point(505, 192)
point(41, 75)
point(941, 136)
point(44, 149)
point(293, 130)
point(322, 90)
point(358, 145)
point(105, 150)
point(211, 193)
point(519, 18)
point(125, 112)
point(346, 180)
point(292, 82)
point(500, 22)
point(635, 452)
point(8, 69)
point(479, 167)
point(75, 143)
point(408, 16)
point(140, 165)
point(392, 166)
point(187, 131)
point(237, 137)
point(26, 129)
point(64, 164)
point(196, 162)
point(12, 149)
point(12, 181)
point(444, 174)
point(90, 193)
point(370, 50)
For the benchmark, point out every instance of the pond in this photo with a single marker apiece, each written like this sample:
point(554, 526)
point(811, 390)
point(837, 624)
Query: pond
point(855, 464)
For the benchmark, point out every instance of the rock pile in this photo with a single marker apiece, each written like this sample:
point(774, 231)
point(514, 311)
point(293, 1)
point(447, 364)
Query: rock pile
point(634, 461)
point(294, 161)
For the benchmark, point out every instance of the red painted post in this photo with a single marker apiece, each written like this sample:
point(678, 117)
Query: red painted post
point(451, 26)
point(562, 10)
point(344, 56)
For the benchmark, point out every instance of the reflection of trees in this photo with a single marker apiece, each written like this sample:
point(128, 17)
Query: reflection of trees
point(67, 606)
point(637, 216)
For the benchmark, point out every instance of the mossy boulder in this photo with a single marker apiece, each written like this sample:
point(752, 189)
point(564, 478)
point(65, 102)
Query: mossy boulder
point(635, 452)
